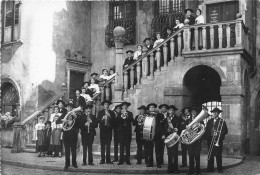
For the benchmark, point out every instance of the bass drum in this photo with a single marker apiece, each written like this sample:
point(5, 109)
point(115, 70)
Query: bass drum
point(171, 140)
point(149, 128)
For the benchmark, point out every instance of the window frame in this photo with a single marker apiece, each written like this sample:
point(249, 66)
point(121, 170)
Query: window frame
point(13, 25)
point(174, 6)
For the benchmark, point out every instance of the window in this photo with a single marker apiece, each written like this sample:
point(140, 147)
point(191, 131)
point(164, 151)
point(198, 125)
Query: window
point(121, 13)
point(165, 13)
point(10, 21)
point(210, 106)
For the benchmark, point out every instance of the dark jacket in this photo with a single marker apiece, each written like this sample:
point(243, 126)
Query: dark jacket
point(209, 127)
point(63, 112)
point(89, 92)
point(150, 47)
point(71, 135)
point(128, 61)
point(116, 120)
point(139, 125)
point(125, 126)
point(191, 20)
point(158, 128)
point(105, 129)
point(84, 129)
point(77, 101)
point(176, 122)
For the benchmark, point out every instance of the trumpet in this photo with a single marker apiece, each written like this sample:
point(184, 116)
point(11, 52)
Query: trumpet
point(141, 119)
point(124, 114)
point(88, 121)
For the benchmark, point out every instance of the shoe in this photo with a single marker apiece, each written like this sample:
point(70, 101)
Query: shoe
point(220, 171)
point(75, 166)
point(110, 162)
point(128, 163)
point(83, 164)
point(198, 174)
point(39, 155)
point(91, 163)
point(149, 165)
point(120, 163)
point(183, 166)
point(169, 171)
point(101, 162)
point(210, 171)
point(159, 166)
point(189, 173)
point(66, 168)
point(176, 172)
point(116, 160)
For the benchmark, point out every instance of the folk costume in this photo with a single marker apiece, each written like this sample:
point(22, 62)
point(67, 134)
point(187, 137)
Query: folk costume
point(47, 135)
point(56, 136)
point(88, 123)
point(39, 127)
point(211, 128)
point(116, 132)
point(105, 119)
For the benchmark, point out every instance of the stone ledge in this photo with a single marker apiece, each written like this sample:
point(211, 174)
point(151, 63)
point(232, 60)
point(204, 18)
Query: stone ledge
point(232, 91)
point(174, 91)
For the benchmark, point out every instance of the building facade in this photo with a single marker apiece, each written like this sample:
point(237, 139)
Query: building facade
point(55, 50)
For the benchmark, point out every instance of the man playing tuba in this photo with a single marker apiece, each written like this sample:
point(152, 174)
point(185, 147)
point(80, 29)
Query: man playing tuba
point(216, 130)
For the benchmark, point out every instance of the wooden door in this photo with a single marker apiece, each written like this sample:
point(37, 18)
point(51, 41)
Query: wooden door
point(76, 81)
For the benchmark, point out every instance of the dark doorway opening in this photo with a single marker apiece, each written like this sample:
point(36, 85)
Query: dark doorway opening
point(9, 98)
point(202, 84)
point(76, 81)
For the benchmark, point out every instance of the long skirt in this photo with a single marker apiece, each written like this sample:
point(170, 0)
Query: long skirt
point(40, 140)
point(55, 137)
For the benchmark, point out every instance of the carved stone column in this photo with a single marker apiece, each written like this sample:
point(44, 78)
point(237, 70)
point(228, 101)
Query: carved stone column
point(119, 32)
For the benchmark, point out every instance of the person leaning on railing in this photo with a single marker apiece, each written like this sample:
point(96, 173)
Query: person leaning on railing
point(94, 86)
point(158, 41)
point(199, 20)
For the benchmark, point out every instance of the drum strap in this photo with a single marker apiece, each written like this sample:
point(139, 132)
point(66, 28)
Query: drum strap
point(169, 123)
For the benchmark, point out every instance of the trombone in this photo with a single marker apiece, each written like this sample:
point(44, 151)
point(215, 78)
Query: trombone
point(216, 136)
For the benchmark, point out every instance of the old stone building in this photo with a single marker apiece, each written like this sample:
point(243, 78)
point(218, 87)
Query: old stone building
point(49, 48)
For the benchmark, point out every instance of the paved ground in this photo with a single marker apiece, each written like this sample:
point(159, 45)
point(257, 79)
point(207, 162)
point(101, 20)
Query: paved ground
point(55, 165)
point(251, 166)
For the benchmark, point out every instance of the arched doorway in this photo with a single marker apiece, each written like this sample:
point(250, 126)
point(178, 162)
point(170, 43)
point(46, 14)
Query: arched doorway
point(202, 85)
point(9, 98)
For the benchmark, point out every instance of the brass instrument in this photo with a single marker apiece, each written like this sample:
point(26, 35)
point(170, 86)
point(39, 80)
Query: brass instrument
point(173, 138)
point(216, 137)
point(124, 114)
point(106, 117)
point(141, 119)
point(71, 119)
point(189, 136)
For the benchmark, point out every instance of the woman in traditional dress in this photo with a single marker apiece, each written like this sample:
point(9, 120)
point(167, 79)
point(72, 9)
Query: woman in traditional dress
point(39, 127)
point(199, 20)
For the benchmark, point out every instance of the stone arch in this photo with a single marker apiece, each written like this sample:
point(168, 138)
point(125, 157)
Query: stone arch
point(189, 66)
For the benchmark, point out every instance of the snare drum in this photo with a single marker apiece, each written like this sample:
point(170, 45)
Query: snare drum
point(172, 139)
point(149, 128)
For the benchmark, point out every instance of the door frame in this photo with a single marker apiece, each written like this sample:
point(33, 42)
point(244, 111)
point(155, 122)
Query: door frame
point(79, 66)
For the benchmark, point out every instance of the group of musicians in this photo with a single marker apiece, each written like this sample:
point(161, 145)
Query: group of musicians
point(119, 122)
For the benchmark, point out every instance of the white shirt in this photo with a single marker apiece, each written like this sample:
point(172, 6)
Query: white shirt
point(136, 54)
point(39, 126)
point(54, 125)
point(53, 115)
point(179, 25)
point(87, 97)
point(199, 20)
point(95, 87)
point(157, 42)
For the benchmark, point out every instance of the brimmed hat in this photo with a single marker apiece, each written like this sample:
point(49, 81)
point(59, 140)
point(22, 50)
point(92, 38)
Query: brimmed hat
point(118, 106)
point(126, 103)
point(48, 122)
point(94, 73)
point(142, 107)
point(41, 117)
point(106, 101)
point(60, 101)
point(152, 104)
point(164, 105)
point(56, 106)
point(185, 109)
point(103, 70)
point(129, 51)
point(188, 10)
point(194, 108)
point(147, 39)
point(216, 110)
point(85, 83)
point(173, 107)
point(140, 45)
point(70, 103)
point(88, 106)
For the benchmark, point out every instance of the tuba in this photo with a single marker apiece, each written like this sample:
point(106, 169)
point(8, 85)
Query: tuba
point(71, 121)
point(196, 131)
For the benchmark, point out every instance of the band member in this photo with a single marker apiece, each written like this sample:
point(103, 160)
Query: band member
point(186, 117)
point(161, 145)
point(70, 135)
point(213, 128)
point(194, 148)
point(47, 135)
point(129, 60)
point(157, 138)
point(117, 111)
point(170, 125)
point(105, 120)
point(88, 124)
point(139, 124)
point(125, 133)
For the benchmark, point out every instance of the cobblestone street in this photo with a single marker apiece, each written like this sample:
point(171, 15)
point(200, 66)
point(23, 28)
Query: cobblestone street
point(249, 167)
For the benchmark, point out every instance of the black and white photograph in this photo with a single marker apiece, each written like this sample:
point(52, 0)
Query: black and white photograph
point(107, 87)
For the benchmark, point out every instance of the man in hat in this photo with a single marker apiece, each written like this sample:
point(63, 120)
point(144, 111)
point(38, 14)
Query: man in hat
point(79, 99)
point(88, 124)
point(70, 136)
point(129, 60)
point(160, 144)
point(194, 148)
point(185, 120)
point(105, 119)
point(117, 112)
point(148, 44)
point(139, 124)
point(125, 133)
point(214, 130)
point(170, 125)
point(157, 137)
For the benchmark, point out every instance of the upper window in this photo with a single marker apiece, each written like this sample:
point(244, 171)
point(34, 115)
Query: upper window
point(10, 21)
point(121, 13)
point(170, 6)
